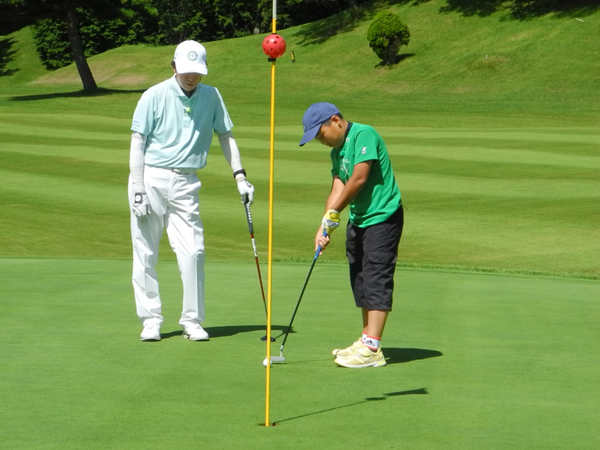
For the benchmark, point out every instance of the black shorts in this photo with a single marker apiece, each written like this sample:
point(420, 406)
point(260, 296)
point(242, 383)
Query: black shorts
point(372, 253)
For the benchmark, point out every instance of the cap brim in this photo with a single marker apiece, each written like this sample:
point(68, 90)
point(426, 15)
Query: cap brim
point(191, 68)
point(309, 135)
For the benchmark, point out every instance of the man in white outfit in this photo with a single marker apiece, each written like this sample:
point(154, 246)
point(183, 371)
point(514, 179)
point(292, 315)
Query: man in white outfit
point(173, 126)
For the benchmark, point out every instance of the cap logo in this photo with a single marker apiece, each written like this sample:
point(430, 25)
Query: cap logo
point(192, 56)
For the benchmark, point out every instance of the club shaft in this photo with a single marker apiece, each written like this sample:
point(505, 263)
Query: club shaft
point(251, 230)
point(300, 298)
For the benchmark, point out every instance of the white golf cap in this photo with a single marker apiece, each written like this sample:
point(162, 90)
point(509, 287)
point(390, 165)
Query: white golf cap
point(190, 57)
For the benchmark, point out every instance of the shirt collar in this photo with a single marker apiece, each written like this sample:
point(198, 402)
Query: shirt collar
point(177, 89)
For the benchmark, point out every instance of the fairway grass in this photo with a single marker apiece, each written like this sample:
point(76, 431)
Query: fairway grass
point(517, 200)
point(474, 361)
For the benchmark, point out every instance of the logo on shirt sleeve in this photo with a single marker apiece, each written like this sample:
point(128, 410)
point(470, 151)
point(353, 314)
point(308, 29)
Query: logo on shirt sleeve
point(363, 151)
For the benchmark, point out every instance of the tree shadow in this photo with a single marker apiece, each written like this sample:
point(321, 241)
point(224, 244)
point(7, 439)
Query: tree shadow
point(7, 54)
point(408, 2)
point(398, 60)
point(383, 397)
point(76, 94)
point(522, 9)
point(321, 30)
point(515, 9)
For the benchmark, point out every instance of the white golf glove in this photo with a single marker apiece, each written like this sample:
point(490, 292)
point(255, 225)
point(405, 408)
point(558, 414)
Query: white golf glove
point(141, 205)
point(246, 191)
point(331, 220)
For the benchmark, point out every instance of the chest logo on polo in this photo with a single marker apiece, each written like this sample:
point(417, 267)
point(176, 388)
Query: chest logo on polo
point(344, 167)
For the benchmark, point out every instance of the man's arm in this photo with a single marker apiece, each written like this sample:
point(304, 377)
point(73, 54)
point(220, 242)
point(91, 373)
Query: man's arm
point(232, 155)
point(230, 151)
point(140, 203)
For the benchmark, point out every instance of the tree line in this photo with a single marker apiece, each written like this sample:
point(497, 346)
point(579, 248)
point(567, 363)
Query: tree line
point(60, 27)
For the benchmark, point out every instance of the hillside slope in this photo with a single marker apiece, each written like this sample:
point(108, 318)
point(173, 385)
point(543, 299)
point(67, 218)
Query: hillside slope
point(454, 65)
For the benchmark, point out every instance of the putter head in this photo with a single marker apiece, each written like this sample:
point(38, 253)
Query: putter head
point(264, 339)
point(274, 359)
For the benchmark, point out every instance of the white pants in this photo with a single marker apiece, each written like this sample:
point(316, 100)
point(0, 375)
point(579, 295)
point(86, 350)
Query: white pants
point(175, 206)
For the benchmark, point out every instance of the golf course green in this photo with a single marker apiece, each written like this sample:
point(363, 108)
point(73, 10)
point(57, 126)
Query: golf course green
point(494, 341)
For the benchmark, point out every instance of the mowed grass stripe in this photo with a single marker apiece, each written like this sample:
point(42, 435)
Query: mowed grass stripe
point(576, 155)
point(495, 171)
point(63, 169)
point(572, 135)
point(56, 125)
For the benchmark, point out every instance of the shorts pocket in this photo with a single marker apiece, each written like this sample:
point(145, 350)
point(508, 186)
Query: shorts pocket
point(382, 258)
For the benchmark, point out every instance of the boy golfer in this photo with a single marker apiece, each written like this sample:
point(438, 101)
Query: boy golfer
point(364, 180)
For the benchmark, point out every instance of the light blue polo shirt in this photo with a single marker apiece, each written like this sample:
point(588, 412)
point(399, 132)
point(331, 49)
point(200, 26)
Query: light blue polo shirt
point(178, 129)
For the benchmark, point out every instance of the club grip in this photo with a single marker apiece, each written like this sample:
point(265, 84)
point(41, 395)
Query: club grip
point(319, 247)
point(249, 217)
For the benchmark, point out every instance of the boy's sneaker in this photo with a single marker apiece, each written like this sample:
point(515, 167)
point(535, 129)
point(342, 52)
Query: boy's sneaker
point(344, 352)
point(362, 357)
point(151, 332)
point(194, 332)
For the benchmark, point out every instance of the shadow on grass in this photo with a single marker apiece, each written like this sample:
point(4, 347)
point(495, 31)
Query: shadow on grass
point(399, 59)
point(404, 355)
point(76, 94)
point(218, 332)
point(393, 356)
point(321, 30)
point(421, 391)
point(6, 56)
point(522, 9)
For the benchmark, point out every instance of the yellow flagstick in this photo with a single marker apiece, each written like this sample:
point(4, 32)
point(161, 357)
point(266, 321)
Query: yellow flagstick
point(273, 46)
point(270, 246)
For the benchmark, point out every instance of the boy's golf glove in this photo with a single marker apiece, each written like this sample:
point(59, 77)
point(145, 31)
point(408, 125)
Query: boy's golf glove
point(331, 220)
point(141, 205)
point(246, 191)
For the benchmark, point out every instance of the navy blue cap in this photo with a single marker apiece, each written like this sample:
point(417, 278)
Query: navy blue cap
point(314, 117)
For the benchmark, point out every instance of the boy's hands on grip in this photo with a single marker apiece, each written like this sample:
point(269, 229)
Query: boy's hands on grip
point(331, 220)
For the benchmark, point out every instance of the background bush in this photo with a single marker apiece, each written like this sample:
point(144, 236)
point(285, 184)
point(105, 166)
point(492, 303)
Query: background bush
point(386, 35)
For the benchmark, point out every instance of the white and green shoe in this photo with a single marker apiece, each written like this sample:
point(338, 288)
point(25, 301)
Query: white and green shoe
point(346, 351)
point(361, 357)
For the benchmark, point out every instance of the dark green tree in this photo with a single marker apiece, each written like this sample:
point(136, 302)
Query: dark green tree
point(386, 34)
point(98, 33)
point(67, 31)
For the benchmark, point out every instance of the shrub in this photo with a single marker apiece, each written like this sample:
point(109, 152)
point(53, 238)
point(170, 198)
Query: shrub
point(386, 35)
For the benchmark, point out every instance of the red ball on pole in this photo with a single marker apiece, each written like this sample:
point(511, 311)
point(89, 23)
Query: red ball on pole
point(273, 46)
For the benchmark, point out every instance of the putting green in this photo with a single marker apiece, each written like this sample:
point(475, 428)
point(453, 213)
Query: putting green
point(475, 361)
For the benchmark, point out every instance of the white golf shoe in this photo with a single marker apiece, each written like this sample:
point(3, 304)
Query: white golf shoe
point(194, 332)
point(151, 332)
point(344, 352)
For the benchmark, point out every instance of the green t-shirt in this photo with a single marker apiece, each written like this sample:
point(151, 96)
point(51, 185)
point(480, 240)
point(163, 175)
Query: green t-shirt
point(380, 197)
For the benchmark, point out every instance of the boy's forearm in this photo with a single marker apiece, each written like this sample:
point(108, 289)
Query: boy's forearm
point(351, 189)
